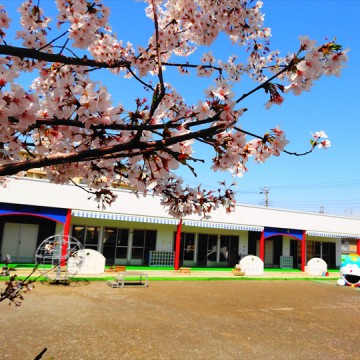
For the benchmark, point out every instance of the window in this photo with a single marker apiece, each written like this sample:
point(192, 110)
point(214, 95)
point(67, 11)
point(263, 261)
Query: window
point(349, 246)
point(207, 249)
point(214, 250)
point(87, 235)
point(78, 232)
point(92, 237)
point(122, 242)
point(212, 247)
point(229, 247)
point(143, 242)
point(224, 248)
point(189, 246)
point(115, 244)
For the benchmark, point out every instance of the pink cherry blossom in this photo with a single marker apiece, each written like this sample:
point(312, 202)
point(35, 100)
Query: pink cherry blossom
point(324, 144)
point(320, 134)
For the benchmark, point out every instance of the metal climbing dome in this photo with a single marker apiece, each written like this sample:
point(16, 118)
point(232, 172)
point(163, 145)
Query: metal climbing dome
point(58, 257)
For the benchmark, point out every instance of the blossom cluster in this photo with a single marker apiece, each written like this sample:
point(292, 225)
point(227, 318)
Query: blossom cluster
point(85, 20)
point(327, 59)
point(4, 22)
point(35, 25)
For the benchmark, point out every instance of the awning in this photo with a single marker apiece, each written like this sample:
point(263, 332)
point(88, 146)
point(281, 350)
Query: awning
point(161, 220)
point(123, 217)
point(225, 226)
point(332, 235)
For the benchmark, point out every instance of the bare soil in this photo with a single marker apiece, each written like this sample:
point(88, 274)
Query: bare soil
point(185, 320)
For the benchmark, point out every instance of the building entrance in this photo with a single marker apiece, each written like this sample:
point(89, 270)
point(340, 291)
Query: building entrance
point(19, 241)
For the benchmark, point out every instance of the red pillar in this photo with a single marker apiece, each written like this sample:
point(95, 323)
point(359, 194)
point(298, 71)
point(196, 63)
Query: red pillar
point(177, 245)
point(303, 251)
point(262, 246)
point(358, 247)
point(65, 238)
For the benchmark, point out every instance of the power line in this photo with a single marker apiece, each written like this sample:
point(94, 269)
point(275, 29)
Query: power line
point(322, 185)
point(266, 191)
point(319, 185)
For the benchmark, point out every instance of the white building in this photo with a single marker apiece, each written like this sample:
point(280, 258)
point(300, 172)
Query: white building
point(138, 231)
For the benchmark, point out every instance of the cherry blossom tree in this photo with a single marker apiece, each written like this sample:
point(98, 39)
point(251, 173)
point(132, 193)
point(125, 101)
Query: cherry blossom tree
point(66, 122)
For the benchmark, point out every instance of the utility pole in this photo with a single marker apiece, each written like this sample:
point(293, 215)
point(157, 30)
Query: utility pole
point(266, 191)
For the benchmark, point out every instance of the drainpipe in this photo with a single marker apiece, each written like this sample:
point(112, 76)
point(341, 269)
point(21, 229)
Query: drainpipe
point(65, 243)
point(177, 246)
point(303, 251)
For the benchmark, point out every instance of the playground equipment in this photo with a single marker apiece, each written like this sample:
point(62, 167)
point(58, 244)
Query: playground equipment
point(316, 266)
point(350, 271)
point(55, 254)
point(252, 265)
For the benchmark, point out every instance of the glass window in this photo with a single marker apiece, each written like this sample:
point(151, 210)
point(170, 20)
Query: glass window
point(137, 253)
point(212, 247)
point(202, 249)
point(150, 239)
point(143, 242)
point(122, 237)
point(109, 236)
point(121, 252)
point(189, 246)
point(224, 247)
point(115, 244)
point(122, 241)
point(109, 242)
point(92, 235)
point(87, 235)
point(78, 232)
point(138, 238)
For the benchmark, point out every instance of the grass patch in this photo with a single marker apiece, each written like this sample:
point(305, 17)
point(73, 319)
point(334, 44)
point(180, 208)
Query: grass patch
point(282, 270)
point(165, 268)
point(174, 278)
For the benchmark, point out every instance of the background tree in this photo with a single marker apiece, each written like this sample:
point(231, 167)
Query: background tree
point(66, 122)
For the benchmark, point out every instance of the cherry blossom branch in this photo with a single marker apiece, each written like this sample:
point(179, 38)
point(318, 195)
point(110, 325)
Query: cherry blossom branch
point(299, 154)
point(52, 41)
point(193, 66)
point(249, 133)
point(15, 288)
point(123, 150)
point(265, 83)
point(140, 80)
point(171, 124)
point(22, 53)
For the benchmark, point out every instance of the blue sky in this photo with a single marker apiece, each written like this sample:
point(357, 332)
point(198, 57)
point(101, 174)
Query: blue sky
point(327, 180)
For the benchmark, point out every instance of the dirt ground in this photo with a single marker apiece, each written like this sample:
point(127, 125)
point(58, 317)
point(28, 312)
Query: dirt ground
point(185, 320)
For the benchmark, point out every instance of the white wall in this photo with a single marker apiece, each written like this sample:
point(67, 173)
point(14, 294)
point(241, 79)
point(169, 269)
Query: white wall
point(286, 246)
point(42, 193)
point(164, 238)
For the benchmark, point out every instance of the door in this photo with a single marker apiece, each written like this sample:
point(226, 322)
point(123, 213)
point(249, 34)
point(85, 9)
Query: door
point(269, 252)
point(278, 247)
point(202, 250)
point(229, 250)
point(329, 254)
point(143, 242)
point(187, 249)
point(19, 241)
point(294, 252)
